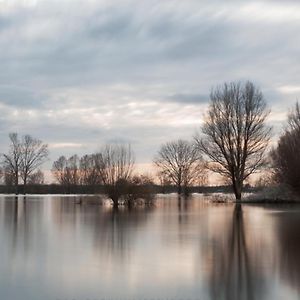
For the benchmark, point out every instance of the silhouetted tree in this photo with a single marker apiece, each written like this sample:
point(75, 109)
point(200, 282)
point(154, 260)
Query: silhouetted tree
point(140, 187)
point(33, 154)
point(285, 157)
point(90, 170)
point(25, 155)
point(66, 171)
point(181, 162)
point(235, 135)
point(12, 160)
point(116, 163)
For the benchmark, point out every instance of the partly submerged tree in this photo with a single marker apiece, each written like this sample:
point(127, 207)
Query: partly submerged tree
point(235, 134)
point(116, 164)
point(285, 157)
point(181, 162)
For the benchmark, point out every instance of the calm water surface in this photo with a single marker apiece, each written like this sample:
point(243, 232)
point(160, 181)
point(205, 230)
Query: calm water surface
point(52, 248)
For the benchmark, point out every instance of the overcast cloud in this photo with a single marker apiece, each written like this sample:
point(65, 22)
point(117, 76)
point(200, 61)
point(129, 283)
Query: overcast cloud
point(78, 74)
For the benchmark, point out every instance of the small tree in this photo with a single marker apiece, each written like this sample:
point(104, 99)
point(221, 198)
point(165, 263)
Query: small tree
point(116, 164)
point(66, 171)
point(181, 162)
point(235, 136)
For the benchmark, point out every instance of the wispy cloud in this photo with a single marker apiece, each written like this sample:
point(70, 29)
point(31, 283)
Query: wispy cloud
point(89, 72)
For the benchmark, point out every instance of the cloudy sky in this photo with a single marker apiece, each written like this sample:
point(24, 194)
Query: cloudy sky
point(78, 74)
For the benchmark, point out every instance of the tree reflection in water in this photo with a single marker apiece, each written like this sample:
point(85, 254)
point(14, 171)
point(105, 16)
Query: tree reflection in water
point(116, 229)
point(289, 245)
point(233, 276)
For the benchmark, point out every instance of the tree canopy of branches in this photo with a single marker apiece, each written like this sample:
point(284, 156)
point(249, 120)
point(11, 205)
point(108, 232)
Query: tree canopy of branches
point(116, 164)
point(24, 157)
point(235, 134)
point(66, 171)
point(181, 162)
point(285, 157)
point(33, 154)
point(74, 171)
point(89, 166)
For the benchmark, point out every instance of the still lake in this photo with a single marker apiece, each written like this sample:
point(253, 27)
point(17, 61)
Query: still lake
point(53, 248)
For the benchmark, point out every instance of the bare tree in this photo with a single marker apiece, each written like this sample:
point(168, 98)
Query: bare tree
point(294, 119)
point(89, 170)
point(235, 136)
point(12, 160)
point(24, 157)
point(66, 171)
point(36, 178)
point(181, 162)
point(285, 157)
point(59, 170)
point(33, 154)
point(72, 170)
point(116, 163)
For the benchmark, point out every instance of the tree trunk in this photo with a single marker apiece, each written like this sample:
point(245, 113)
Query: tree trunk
point(115, 202)
point(24, 187)
point(237, 188)
point(16, 184)
point(179, 189)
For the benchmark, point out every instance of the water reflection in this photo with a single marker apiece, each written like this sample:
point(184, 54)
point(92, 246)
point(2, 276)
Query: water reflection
point(178, 248)
point(233, 274)
point(289, 245)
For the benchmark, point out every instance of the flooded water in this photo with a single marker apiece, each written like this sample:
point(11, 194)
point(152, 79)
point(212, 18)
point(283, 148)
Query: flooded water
point(53, 248)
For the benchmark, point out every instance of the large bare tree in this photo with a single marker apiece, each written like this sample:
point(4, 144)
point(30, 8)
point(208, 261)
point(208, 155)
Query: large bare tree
point(33, 154)
point(235, 134)
point(12, 160)
point(24, 157)
point(181, 162)
point(116, 164)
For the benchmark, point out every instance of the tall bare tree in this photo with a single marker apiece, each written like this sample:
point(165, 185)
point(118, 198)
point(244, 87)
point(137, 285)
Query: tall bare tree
point(33, 154)
point(235, 134)
point(12, 160)
point(116, 164)
point(181, 162)
point(24, 157)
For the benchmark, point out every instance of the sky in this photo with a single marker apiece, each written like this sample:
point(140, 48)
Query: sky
point(80, 74)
